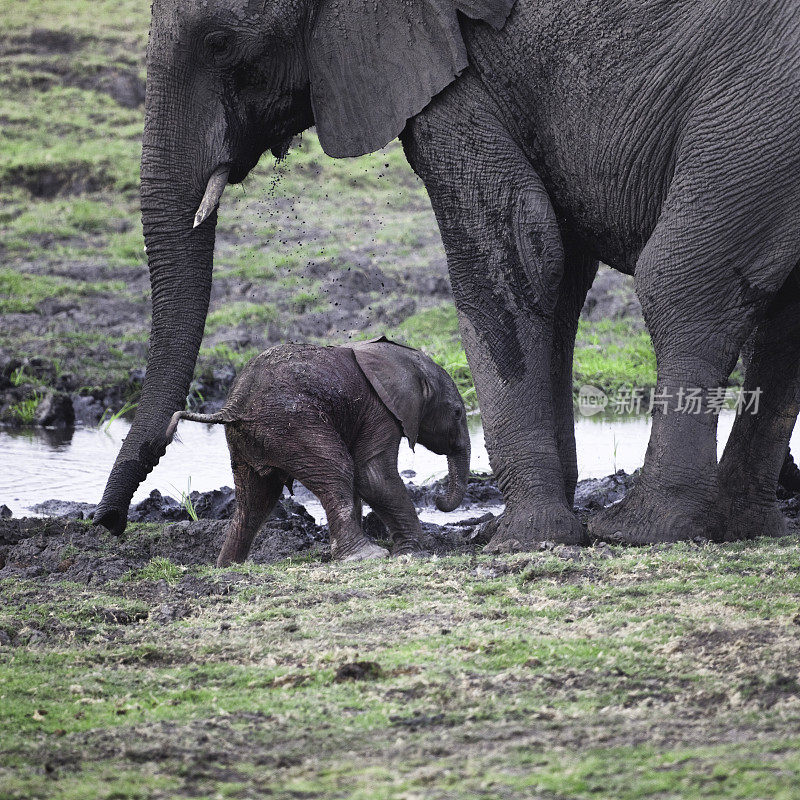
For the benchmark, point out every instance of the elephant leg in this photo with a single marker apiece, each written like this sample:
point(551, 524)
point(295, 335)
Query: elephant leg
point(579, 273)
point(506, 260)
point(378, 482)
point(256, 496)
point(713, 265)
point(757, 449)
point(327, 470)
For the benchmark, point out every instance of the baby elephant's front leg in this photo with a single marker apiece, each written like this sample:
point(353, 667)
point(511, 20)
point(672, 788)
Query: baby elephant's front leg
point(331, 478)
point(348, 541)
point(378, 482)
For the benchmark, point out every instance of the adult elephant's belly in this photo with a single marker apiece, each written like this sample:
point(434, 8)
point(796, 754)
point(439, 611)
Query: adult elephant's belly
point(599, 118)
point(611, 202)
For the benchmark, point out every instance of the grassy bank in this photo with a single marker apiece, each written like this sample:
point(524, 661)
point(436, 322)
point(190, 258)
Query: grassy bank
point(609, 354)
point(668, 673)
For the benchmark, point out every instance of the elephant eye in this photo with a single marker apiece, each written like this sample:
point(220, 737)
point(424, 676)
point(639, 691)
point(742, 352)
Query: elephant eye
point(219, 47)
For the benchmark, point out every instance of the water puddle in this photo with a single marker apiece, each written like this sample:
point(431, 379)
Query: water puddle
point(39, 465)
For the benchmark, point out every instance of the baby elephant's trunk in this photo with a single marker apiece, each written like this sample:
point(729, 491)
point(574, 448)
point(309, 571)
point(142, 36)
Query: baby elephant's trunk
point(458, 469)
point(219, 418)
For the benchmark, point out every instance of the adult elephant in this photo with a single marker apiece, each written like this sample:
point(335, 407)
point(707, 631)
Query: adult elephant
point(661, 137)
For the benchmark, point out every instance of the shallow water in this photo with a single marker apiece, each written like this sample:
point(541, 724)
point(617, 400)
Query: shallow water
point(39, 465)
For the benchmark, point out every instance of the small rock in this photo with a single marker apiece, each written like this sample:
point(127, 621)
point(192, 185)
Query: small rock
point(168, 613)
point(602, 550)
point(6, 512)
point(87, 410)
point(374, 527)
point(55, 409)
point(568, 552)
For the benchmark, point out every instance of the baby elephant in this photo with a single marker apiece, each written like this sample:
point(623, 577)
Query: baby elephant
point(333, 418)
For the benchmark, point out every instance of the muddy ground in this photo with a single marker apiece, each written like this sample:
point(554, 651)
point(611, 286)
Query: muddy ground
point(64, 546)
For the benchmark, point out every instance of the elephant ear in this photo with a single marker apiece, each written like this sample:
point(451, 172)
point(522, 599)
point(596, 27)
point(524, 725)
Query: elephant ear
point(374, 64)
point(392, 370)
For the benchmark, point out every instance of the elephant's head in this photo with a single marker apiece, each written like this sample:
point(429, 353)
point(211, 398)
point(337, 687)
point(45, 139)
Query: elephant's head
point(426, 402)
point(228, 80)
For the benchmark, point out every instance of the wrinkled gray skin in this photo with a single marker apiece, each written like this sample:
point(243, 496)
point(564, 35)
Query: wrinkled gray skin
point(661, 137)
point(332, 418)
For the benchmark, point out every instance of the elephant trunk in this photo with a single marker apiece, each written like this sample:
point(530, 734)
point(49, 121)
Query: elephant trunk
point(180, 256)
point(458, 474)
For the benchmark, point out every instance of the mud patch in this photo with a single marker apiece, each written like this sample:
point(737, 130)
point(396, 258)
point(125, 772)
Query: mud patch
point(62, 549)
point(41, 41)
point(358, 671)
point(43, 182)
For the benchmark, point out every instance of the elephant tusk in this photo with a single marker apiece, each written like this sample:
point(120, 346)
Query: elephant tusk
point(216, 186)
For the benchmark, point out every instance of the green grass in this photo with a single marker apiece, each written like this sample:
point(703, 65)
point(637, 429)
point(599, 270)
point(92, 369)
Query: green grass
point(24, 411)
point(110, 416)
point(624, 673)
point(610, 354)
point(233, 314)
point(20, 292)
point(185, 500)
point(159, 569)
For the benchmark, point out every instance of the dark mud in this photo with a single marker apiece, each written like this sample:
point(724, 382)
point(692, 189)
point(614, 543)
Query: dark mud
point(66, 546)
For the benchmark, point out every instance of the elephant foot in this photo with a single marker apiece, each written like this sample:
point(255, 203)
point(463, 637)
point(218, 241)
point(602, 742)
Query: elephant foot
point(361, 552)
point(742, 517)
point(521, 529)
point(645, 517)
point(410, 548)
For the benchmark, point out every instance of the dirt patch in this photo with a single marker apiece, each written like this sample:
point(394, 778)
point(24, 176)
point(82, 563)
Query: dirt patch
point(44, 182)
point(358, 671)
point(68, 547)
point(64, 549)
point(41, 41)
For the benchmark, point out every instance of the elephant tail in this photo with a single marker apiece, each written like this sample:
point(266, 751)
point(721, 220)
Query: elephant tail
point(222, 417)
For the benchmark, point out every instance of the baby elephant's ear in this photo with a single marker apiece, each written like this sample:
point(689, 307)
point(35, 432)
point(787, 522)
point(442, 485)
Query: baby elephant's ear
point(374, 64)
point(393, 373)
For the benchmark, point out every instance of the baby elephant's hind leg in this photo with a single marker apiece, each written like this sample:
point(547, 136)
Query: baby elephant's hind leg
point(256, 496)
